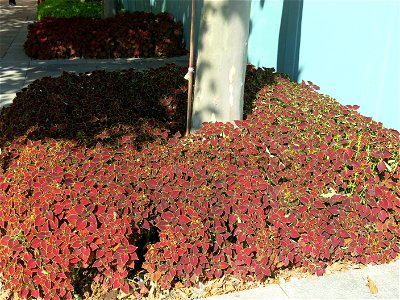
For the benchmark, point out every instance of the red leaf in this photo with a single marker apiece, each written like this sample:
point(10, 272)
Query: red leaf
point(168, 216)
point(118, 283)
point(365, 211)
point(330, 229)
point(100, 209)
point(146, 225)
point(263, 186)
point(294, 234)
point(28, 272)
point(247, 260)
point(24, 292)
point(35, 243)
point(58, 259)
point(85, 200)
point(192, 213)
point(181, 251)
point(39, 221)
point(174, 194)
point(385, 204)
point(348, 153)
point(214, 141)
point(387, 154)
point(219, 239)
point(284, 129)
point(382, 215)
point(223, 265)
point(167, 254)
point(302, 126)
point(305, 200)
point(37, 279)
point(247, 184)
point(238, 122)
point(11, 270)
point(248, 251)
point(35, 293)
point(184, 219)
point(381, 166)
point(230, 180)
point(319, 204)
point(241, 237)
point(152, 183)
point(125, 288)
point(30, 264)
point(81, 224)
point(73, 219)
point(78, 186)
point(175, 256)
point(320, 272)
point(335, 242)
point(47, 285)
point(85, 251)
point(57, 209)
point(218, 273)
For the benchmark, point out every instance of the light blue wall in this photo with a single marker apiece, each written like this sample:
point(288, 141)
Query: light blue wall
point(354, 54)
point(264, 32)
point(350, 48)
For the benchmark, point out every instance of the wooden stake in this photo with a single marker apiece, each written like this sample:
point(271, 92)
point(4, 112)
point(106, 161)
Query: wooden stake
point(190, 71)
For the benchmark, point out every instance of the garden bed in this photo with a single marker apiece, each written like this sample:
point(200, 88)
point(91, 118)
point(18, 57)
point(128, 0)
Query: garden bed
point(98, 186)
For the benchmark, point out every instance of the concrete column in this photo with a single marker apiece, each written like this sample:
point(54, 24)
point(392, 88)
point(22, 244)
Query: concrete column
point(109, 8)
point(221, 61)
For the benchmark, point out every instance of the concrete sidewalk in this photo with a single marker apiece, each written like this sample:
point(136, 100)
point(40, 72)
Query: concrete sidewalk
point(17, 71)
point(341, 285)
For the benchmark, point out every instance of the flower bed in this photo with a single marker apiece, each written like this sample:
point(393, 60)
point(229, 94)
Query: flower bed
point(303, 181)
point(138, 34)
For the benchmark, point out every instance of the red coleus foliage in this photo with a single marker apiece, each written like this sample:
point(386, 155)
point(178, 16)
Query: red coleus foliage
point(303, 181)
point(137, 34)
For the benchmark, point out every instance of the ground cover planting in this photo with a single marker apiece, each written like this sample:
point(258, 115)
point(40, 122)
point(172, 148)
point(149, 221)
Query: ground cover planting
point(138, 34)
point(98, 185)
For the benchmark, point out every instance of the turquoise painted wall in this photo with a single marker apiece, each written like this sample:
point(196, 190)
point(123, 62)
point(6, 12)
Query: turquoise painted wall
point(264, 33)
point(356, 58)
point(350, 48)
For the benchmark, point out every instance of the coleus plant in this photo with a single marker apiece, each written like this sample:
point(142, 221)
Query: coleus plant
point(137, 34)
point(302, 181)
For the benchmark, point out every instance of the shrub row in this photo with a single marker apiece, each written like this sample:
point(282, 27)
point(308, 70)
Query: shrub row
point(69, 8)
point(303, 181)
point(138, 34)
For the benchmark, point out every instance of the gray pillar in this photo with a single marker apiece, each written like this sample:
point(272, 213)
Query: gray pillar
point(109, 8)
point(221, 61)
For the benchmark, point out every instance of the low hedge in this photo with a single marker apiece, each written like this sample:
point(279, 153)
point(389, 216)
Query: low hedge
point(137, 34)
point(302, 181)
point(69, 8)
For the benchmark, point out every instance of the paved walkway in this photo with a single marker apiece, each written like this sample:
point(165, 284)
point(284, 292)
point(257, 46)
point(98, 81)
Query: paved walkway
point(13, 23)
point(17, 70)
point(341, 285)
